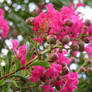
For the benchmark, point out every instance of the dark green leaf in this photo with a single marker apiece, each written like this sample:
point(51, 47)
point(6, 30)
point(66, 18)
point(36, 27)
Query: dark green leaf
point(41, 63)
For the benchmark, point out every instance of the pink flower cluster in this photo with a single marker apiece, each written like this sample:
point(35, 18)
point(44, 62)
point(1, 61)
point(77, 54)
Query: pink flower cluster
point(71, 81)
point(4, 28)
point(54, 76)
point(19, 52)
point(60, 23)
point(37, 73)
point(60, 27)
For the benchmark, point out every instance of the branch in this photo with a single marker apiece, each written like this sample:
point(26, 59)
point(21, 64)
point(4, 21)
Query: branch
point(22, 67)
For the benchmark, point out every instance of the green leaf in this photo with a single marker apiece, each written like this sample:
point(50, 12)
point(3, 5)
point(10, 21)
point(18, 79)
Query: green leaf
point(23, 78)
point(41, 63)
point(12, 81)
point(17, 63)
point(23, 72)
point(15, 84)
point(2, 82)
point(5, 88)
point(2, 72)
point(20, 76)
point(9, 59)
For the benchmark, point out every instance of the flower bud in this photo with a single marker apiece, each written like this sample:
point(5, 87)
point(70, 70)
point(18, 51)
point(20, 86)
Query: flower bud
point(40, 5)
point(89, 70)
point(58, 78)
point(29, 20)
point(64, 65)
point(81, 46)
point(44, 78)
point(89, 61)
point(82, 69)
point(57, 87)
point(73, 59)
point(68, 23)
point(87, 22)
point(85, 27)
point(65, 39)
point(86, 40)
point(44, 36)
point(65, 69)
point(60, 51)
point(75, 47)
point(51, 39)
point(52, 57)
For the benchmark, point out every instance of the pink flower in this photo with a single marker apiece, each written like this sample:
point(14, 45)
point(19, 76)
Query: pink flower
point(15, 44)
point(79, 4)
point(4, 28)
point(75, 53)
point(59, 82)
point(37, 72)
point(53, 21)
point(68, 13)
point(71, 82)
point(53, 71)
point(65, 52)
point(47, 88)
point(49, 22)
point(20, 52)
point(62, 59)
point(88, 49)
point(90, 39)
point(40, 39)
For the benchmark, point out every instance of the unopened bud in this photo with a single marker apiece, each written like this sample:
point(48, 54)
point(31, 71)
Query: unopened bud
point(65, 39)
point(81, 46)
point(75, 47)
point(52, 57)
point(44, 78)
point(89, 70)
point(82, 69)
point(73, 59)
point(40, 5)
point(87, 22)
point(65, 70)
point(63, 65)
point(29, 20)
point(85, 27)
point(68, 23)
point(60, 51)
point(57, 87)
point(44, 36)
point(86, 40)
point(51, 39)
point(89, 61)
